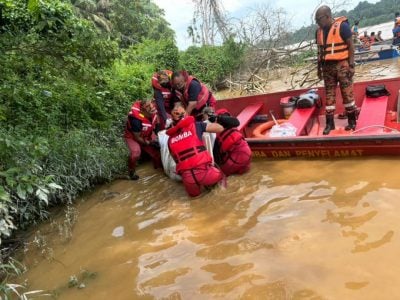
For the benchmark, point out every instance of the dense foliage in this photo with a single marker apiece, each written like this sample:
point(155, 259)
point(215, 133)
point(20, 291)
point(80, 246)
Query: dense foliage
point(69, 72)
point(213, 63)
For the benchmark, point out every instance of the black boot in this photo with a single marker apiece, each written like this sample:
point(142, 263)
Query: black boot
point(330, 124)
point(133, 175)
point(351, 118)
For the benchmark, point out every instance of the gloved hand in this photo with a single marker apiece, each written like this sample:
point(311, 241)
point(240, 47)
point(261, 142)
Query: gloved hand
point(168, 123)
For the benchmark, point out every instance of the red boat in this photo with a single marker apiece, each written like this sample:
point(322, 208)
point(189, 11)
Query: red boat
point(377, 131)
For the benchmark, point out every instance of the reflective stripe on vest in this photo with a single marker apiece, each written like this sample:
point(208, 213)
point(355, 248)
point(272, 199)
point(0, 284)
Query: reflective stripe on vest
point(147, 126)
point(188, 153)
point(335, 48)
point(166, 92)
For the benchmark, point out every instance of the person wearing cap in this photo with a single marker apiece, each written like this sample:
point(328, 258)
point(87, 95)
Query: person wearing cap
point(193, 162)
point(163, 94)
point(193, 93)
point(231, 151)
point(142, 121)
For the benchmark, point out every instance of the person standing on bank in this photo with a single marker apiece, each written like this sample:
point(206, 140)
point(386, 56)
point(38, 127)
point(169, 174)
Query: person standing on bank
point(336, 64)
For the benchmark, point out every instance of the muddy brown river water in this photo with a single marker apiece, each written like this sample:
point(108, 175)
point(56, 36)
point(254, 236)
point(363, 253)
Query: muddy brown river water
point(287, 230)
point(290, 229)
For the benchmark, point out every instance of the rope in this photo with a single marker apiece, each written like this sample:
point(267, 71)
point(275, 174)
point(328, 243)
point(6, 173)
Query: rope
point(374, 126)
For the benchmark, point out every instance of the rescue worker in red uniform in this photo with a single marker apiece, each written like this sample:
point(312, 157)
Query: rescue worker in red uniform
point(193, 162)
point(231, 151)
point(192, 93)
point(141, 123)
point(163, 94)
point(336, 65)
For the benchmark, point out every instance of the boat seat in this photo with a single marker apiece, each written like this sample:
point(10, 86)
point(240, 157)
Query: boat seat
point(300, 117)
point(247, 114)
point(373, 112)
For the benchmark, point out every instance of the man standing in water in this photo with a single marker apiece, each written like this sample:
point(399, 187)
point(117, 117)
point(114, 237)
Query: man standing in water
point(142, 121)
point(335, 64)
point(193, 162)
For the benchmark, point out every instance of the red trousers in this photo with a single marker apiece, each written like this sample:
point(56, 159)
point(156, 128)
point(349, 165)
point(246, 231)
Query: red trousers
point(237, 160)
point(200, 177)
point(135, 150)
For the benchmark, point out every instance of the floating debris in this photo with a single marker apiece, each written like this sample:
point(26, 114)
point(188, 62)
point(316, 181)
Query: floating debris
point(118, 231)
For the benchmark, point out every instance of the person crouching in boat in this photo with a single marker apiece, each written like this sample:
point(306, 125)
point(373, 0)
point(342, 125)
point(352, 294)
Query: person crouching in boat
point(231, 151)
point(365, 40)
point(193, 93)
point(378, 37)
point(141, 123)
point(193, 162)
point(336, 65)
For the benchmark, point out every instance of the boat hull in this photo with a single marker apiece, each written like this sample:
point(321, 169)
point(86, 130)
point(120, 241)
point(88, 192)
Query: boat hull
point(324, 148)
point(313, 144)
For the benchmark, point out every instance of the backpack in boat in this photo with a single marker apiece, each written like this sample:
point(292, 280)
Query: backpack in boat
point(375, 91)
point(308, 100)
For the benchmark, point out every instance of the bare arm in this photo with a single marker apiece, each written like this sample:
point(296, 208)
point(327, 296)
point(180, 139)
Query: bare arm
point(350, 45)
point(214, 127)
point(160, 104)
point(190, 107)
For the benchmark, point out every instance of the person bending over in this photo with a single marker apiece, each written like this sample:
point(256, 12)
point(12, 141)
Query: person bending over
point(193, 93)
point(193, 162)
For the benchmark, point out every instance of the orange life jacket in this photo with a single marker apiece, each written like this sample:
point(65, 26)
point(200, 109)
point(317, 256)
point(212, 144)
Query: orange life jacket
point(335, 48)
point(205, 96)
point(147, 125)
point(185, 147)
point(366, 42)
point(166, 92)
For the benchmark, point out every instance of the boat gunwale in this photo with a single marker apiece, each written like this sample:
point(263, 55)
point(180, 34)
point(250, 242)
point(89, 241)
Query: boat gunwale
point(307, 139)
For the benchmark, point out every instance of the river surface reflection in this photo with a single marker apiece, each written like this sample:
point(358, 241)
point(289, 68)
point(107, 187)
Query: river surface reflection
point(290, 229)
